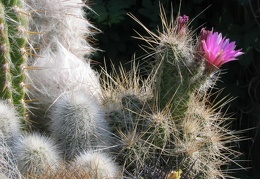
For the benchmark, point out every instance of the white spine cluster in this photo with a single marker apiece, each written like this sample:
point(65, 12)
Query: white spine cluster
point(62, 20)
point(99, 165)
point(36, 155)
point(78, 123)
point(9, 122)
point(8, 166)
point(58, 73)
point(60, 46)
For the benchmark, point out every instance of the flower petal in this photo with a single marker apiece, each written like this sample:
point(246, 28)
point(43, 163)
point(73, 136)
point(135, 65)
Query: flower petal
point(217, 49)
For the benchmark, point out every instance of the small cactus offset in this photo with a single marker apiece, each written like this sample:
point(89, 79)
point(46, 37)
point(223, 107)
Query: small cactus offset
point(79, 124)
point(120, 125)
point(36, 155)
point(98, 165)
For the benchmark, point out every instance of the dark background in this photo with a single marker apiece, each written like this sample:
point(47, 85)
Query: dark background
point(238, 20)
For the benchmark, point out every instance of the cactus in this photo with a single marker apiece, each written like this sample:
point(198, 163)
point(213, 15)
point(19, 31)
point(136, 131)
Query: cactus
point(177, 71)
point(151, 144)
point(10, 130)
point(62, 21)
point(8, 165)
point(158, 127)
point(98, 165)
point(162, 132)
point(14, 57)
point(6, 76)
point(36, 155)
point(57, 73)
point(78, 124)
point(9, 122)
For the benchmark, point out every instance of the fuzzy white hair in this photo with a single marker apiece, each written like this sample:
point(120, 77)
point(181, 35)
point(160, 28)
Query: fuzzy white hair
point(58, 72)
point(9, 122)
point(62, 20)
point(36, 154)
point(78, 123)
point(100, 165)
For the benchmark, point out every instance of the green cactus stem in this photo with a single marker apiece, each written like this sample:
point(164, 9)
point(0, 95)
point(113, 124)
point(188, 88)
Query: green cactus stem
point(174, 81)
point(16, 20)
point(178, 72)
point(5, 58)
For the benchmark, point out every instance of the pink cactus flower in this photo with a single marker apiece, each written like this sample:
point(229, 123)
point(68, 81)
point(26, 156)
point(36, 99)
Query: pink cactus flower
point(217, 49)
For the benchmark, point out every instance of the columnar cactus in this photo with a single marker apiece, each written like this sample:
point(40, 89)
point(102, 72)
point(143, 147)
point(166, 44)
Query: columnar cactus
point(6, 76)
point(177, 71)
point(14, 41)
point(176, 67)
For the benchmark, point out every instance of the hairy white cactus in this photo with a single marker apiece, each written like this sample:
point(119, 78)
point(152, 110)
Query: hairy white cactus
point(98, 165)
point(57, 73)
point(8, 165)
point(36, 155)
point(60, 20)
point(78, 123)
point(10, 126)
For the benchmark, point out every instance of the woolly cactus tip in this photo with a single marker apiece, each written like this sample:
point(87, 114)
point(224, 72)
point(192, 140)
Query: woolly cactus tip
point(97, 164)
point(66, 23)
point(59, 72)
point(36, 155)
point(79, 123)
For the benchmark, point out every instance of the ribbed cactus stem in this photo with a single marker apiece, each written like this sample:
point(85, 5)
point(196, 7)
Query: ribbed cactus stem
point(17, 22)
point(178, 72)
point(174, 83)
point(5, 59)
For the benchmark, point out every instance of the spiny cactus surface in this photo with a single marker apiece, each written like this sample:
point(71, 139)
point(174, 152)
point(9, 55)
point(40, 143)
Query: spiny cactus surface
point(159, 127)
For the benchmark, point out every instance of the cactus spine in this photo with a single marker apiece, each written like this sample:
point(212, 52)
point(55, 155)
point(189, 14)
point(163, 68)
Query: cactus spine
point(178, 72)
point(152, 136)
point(78, 124)
point(99, 165)
point(36, 155)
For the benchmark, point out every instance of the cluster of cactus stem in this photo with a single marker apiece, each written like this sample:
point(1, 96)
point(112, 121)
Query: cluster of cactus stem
point(61, 119)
